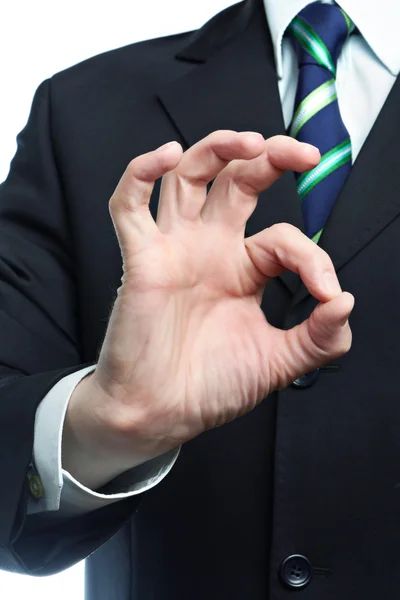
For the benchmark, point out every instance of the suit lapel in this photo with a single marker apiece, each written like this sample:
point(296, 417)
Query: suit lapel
point(234, 86)
point(370, 199)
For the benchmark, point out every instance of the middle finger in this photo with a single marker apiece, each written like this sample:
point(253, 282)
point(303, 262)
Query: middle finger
point(184, 190)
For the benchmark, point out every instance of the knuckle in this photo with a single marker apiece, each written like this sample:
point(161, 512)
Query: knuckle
point(322, 253)
point(285, 229)
point(130, 171)
point(325, 259)
point(219, 137)
point(220, 133)
point(346, 344)
point(343, 344)
point(343, 347)
point(112, 203)
point(279, 138)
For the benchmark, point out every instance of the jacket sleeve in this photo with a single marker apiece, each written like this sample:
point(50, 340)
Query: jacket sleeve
point(39, 345)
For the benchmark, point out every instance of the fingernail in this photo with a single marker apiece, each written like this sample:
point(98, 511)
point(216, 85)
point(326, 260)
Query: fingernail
point(331, 284)
point(309, 146)
point(165, 146)
point(346, 318)
point(252, 133)
point(312, 151)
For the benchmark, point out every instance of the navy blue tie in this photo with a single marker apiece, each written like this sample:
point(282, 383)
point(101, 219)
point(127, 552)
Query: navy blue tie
point(319, 32)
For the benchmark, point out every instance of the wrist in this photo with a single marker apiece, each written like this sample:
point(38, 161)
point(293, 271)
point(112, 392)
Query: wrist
point(87, 452)
point(95, 449)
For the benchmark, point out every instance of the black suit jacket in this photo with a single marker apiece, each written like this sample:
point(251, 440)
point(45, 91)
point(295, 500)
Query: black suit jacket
point(313, 471)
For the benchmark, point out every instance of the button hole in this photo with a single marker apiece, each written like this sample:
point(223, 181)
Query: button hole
point(322, 572)
point(330, 368)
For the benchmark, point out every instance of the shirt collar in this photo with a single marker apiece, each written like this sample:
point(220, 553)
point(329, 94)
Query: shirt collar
point(378, 27)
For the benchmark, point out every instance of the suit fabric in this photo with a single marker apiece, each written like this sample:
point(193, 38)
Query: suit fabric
point(311, 471)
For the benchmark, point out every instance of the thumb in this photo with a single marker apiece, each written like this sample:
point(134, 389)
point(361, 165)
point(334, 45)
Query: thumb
point(321, 338)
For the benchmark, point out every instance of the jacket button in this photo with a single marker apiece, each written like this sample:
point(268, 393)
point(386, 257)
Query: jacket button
point(296, 571)
point(306, 380)
point(36, 487)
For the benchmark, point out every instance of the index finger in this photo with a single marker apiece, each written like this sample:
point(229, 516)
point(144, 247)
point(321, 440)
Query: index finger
point(282, 247)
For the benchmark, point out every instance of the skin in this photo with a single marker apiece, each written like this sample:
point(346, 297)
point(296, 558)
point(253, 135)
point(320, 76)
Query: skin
point(187, 346)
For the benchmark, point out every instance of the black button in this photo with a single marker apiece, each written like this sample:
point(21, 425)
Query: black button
point(306, 380)
point(296, 571)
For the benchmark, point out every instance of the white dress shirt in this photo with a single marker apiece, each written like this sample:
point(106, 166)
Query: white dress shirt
point(367, 68)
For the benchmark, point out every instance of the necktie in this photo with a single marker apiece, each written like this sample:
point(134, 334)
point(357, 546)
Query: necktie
point(319, 32)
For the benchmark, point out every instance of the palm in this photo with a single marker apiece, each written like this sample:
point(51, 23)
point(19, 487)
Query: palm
point(209, 344)
point(187, 334)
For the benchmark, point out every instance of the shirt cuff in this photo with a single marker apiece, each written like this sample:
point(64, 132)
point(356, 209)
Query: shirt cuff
point(76, 499)
point(61, 491)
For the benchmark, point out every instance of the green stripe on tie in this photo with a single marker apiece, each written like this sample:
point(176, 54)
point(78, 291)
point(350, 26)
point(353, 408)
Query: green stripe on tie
point(349, 23)
point(312, 43)
point(330, 161)
point(315, 101)
point(316, 237)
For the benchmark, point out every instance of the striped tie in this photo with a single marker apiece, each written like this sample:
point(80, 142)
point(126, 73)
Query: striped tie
point(319, 32)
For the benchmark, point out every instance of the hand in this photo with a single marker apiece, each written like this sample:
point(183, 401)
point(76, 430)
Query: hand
point(187, 346)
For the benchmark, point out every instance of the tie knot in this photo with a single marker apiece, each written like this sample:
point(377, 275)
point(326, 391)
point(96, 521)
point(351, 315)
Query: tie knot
point(319, 32)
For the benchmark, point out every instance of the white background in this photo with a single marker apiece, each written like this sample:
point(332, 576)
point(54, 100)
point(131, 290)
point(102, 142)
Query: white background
point(39, 38)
